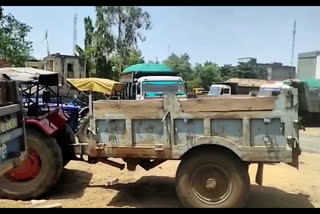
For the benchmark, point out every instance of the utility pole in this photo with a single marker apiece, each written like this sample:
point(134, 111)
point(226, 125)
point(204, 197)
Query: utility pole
point(46, 38)
point(74, 33)
point(293, 43)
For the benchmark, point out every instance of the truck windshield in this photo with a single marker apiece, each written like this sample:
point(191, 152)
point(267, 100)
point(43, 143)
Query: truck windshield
point(265, 92)
point(163, 87)
point(215, 90)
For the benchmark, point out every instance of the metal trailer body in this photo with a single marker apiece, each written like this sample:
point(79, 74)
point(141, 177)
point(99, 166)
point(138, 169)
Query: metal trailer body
point(12, 128)
point(256, 129)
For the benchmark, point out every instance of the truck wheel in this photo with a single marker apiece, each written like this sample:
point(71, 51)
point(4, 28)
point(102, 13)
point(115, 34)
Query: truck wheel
point(212, 179)
point(65, 138)
point(38, 173)
point(83, 134)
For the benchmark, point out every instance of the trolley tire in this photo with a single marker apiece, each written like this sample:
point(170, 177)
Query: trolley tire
point(219, 160)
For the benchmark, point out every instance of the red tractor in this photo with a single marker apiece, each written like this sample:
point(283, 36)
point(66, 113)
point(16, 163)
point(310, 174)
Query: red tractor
point(48, 135)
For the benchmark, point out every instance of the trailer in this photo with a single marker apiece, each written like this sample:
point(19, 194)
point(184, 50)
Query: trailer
point(12, 130)
point(215, 140)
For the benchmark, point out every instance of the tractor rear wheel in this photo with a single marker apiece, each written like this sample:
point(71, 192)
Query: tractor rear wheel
point(65, 138)
point(38, 173)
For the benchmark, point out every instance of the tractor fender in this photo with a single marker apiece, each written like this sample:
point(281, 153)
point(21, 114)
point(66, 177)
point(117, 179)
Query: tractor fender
point(44, 125)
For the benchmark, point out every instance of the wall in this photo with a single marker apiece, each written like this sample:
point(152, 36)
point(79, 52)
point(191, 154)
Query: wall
point(277, 71)
point(280, 72)
point(306, 68)
point(34, 64)
point(318, 68)
point(59, 63)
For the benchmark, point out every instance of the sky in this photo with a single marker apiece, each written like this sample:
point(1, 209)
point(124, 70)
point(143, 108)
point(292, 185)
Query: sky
point(218, 34)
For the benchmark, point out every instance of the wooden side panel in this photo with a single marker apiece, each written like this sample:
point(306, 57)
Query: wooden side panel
point(228, 104)
point(129, 108)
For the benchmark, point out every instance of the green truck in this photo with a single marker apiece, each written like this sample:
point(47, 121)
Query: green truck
point(147, 80)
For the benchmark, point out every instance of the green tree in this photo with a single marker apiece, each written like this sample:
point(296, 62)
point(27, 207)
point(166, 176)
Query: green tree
point(128, 21)
point(88, 52)
point(209, 73)
point(103, 45)
point(13, 44)
point(244, 70)
point(195, 81)
point(112, 41)
point(181, 65)
point(134, 57)
point(226, 72)
point(261, 72)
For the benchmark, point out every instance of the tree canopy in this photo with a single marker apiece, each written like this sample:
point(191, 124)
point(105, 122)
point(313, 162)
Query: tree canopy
point(110, 43)
point(13, 44)
point(208, 73)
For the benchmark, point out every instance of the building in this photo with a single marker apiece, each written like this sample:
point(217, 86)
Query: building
point(35, 64)
point(245, 85)
point(309, 65)
point(275, 71)
point(67, 66)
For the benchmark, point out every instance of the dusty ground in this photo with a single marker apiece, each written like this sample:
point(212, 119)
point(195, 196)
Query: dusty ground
point(84, 185)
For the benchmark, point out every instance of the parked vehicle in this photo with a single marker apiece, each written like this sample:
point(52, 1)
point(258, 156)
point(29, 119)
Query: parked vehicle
point(309, 100)
point(149, 87)
point(160, 75)
point(308, 95)
point(12, 131)
point(47, 134)
point(271, 89)
point(219, 89)
point(216, 140)
point(199, 91)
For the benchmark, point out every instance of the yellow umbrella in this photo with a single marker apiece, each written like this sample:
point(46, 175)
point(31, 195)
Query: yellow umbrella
point(104, 86)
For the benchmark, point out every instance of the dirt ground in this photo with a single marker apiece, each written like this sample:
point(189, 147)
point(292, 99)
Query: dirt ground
point(85, 185)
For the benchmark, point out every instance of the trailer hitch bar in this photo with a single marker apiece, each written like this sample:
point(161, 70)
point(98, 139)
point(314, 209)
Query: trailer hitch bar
point(112, 163)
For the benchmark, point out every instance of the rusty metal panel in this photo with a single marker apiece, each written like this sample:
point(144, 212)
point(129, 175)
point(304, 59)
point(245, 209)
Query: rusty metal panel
point(147, 132)
point(230, 129)
point(188, 129)
point(111, 132)
point(267, 133)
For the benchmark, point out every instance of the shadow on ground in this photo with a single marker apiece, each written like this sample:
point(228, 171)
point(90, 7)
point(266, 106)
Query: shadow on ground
point(270, 197)
point(71, 184)
point(157, 191)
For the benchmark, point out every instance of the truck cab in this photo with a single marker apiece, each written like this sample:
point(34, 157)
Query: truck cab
point(272, 89)
point(219, 89)
point(157, 78)
point(149, 87)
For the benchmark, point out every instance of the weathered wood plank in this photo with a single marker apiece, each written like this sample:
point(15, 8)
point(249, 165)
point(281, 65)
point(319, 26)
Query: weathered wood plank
point(228, 104)
point(128, 107)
